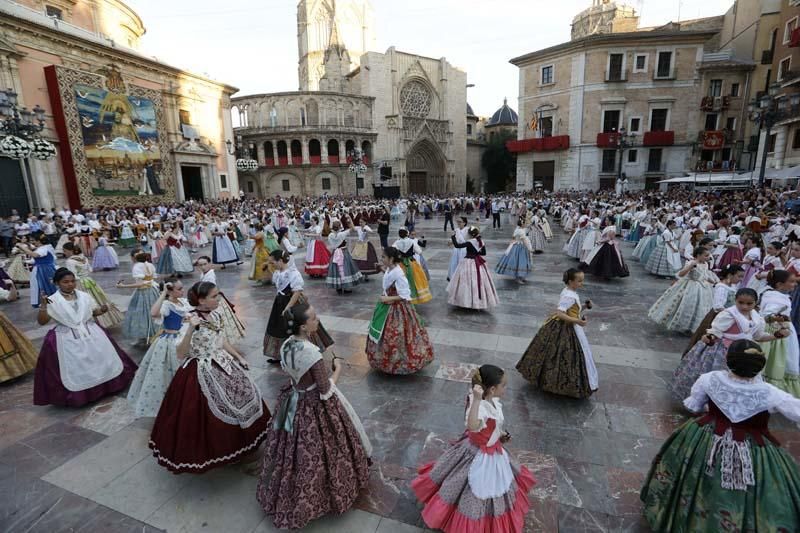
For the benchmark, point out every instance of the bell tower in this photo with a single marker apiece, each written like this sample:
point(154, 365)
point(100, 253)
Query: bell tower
point(350, 22)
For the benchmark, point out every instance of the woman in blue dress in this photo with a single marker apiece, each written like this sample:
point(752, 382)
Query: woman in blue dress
point(44, 268)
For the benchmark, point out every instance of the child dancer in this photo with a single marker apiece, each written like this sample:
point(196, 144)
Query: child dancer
point(516, 261)
point(417, 280)
point(44, 267)
point(665, 260)
point(343, 274)
point(234, 328)
point(318, 258)
point(397, 342)
point(138, 323)
point(724, 297)
point(740, 321)
point(559, 358)
point(751, 262)
point(783, 356)
point(475, 485)
point(606, 260)
point(724, 470)
point(104, 257)
point(79, 266)
point(472, 286)
point(684, 304)
point(458, 253)
point(772, 261)
point(160, 363)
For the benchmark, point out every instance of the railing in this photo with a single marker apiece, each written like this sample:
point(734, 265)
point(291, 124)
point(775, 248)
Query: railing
point(315, 159)
point(269, 162)
point(658, 138)
point(794, 40)
point(297, 160)
point(333, 159)
point(266, 128)
point(616, 76)
point(715, 103)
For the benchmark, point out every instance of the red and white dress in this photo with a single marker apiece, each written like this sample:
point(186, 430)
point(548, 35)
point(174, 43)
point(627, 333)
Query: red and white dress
point(475, 487)
point(318, 258)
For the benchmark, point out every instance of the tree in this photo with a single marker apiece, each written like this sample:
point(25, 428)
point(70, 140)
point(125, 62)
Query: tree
point(499, 163)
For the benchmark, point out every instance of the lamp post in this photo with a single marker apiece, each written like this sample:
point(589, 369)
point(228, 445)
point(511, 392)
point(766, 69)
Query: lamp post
point(242, 163)
point(356, 159)
point(765, 112)
point(20, 129)
point(623, 140)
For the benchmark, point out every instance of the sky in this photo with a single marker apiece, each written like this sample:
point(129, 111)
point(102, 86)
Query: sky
point(252, 44)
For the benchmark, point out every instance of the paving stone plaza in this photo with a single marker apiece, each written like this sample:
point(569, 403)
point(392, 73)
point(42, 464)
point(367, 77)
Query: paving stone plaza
point(90, 469)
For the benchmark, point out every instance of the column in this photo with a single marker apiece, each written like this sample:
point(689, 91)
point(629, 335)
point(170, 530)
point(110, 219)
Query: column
point(275, 152)
point(323, 145)
point(304, 150)
point(289, 152)
point(260, 153)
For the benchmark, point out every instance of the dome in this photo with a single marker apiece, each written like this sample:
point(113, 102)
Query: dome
point(470, 112)
point(505, 116)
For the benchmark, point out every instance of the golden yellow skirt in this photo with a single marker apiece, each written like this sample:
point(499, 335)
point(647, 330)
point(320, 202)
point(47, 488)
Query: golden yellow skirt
point(17, 356)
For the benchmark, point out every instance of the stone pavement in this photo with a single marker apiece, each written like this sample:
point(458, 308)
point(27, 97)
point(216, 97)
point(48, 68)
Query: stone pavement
point(90, 469)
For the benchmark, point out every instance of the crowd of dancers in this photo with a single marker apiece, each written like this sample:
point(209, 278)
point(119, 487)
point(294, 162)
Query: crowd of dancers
point(732, 259)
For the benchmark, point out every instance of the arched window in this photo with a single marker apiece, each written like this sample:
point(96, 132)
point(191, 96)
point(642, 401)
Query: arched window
point(273, 117)
point(314, 152)
point(236, 117)
point(297, 152)
point(283, 154)
point(269, 154)
point(366, 149)
point(333, 152)
point(349, 146)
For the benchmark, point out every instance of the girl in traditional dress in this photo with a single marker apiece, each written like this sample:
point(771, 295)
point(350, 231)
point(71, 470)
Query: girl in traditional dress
point(472, 286)
point(574, 244)
point(559, 358)
point(397, 342)
point(17, 356)
point(458, 254)
point(536, 235)
point(259, 265)
point(773, 260)
point(724, 471)
point(294, 234)
point(79, 362)
point(233, 327)
point(544, 224)
point(126, 239)
point(751, 262)
point(160, 363)
point(44, 267)
point(732, 247)
point(104, 258)
point(685, 303)
point(475, 485)
point(516, 261)
point(212, 413)
point(783, 356)
point(363, 252)
point(417, 280)
point(592, 235)
point(223, 251)
point(318, 258)
point(16, 269)
point(724, 297)
point(606, 260)
point(138, 323)
point(740, 321)
point(420, 243)
point(79, 266)
point(343, 274)
point(316, 460)
point(646, 245)
point(175, 259)
point(665, 260)
point(289, 285)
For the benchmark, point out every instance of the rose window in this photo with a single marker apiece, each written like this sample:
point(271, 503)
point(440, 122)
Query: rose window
point(415, 100)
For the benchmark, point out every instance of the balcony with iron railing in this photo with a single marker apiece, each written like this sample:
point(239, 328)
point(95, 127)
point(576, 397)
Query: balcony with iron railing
point(794, 39)
point(616, 76)
point(658, 138)
point(715, 103)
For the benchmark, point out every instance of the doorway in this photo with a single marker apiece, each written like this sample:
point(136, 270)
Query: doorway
point(416, 182)
point(544, 174)
point(13, 194)
point(192, 183)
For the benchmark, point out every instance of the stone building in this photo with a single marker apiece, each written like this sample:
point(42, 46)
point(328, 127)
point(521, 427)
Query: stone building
point(783, 143)
point(476, 146)
point(63, 54)
point(404, 111)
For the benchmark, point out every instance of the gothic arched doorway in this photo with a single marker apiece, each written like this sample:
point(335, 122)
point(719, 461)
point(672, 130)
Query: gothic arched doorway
point(426, 168)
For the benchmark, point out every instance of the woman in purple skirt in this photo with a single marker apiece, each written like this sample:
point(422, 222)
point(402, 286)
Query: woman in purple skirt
point(79, 362)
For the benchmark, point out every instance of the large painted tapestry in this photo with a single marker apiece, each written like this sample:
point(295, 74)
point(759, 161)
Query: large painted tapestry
point(118, 152)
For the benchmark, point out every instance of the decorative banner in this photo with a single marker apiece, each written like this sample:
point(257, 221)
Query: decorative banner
point(118, 154)
point(713, 140)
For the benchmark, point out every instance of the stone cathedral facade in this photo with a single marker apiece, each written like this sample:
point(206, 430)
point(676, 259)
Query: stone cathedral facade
point(405, 112)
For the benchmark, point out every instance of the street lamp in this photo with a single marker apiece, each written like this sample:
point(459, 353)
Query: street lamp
point(21, 128)
point(623, 140)
point(244, 163)
point(356, 159)
point(766, 112)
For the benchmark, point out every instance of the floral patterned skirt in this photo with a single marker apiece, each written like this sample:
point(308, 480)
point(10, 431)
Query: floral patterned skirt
point(404, 346)
point(555, 362)
point(700, 360)
point(318, 469)
point(679, 494)
point(450, 505)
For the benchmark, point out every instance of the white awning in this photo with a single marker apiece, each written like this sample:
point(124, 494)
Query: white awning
point(706, 178)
